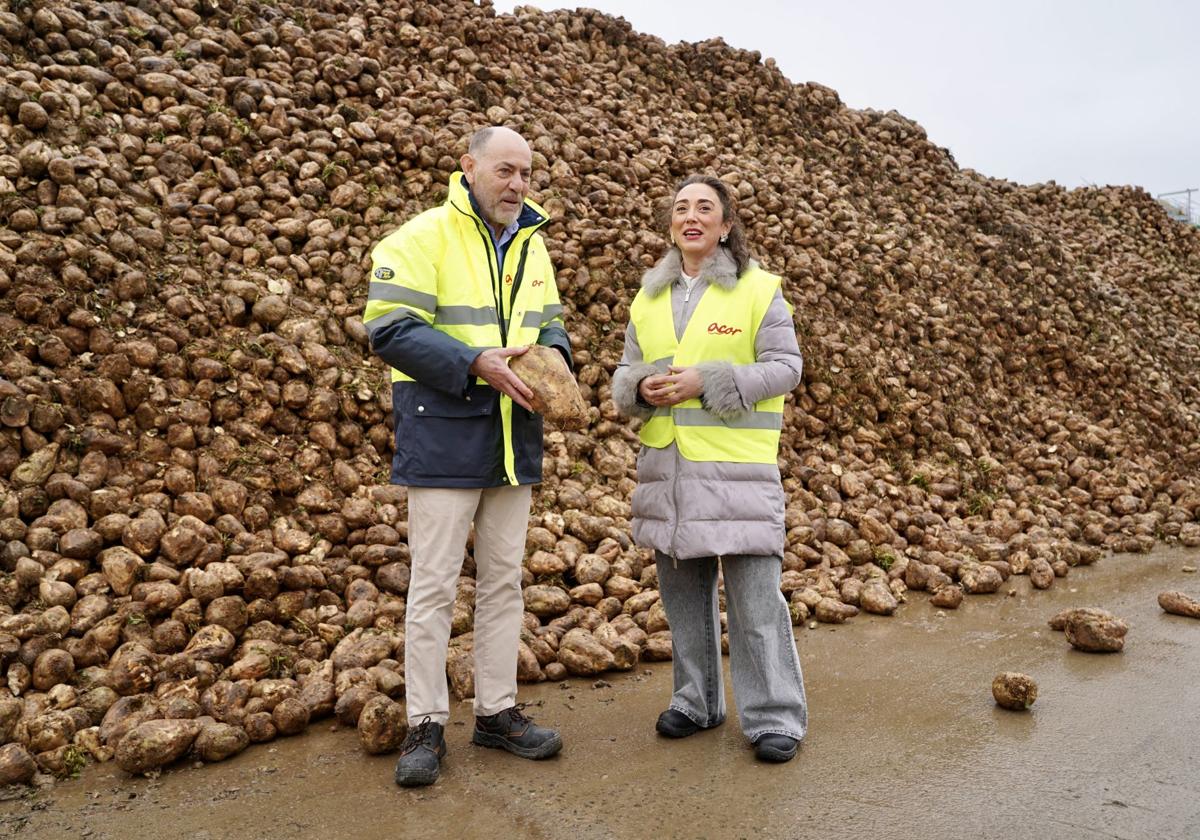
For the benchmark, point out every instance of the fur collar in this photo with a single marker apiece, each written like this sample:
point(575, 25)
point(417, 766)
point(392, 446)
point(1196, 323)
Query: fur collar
point(720, 269)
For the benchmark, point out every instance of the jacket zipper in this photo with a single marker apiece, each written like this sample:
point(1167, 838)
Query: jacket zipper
point(520, 273)
point(494, 271)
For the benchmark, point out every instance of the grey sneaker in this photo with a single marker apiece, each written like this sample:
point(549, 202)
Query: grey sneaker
point(512, 730)
point(421, 755)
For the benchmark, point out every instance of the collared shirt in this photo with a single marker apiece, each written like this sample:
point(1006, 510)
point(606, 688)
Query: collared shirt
point(499, 243)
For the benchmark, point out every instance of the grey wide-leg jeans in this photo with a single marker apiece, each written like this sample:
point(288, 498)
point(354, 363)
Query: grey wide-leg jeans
point(768, 686)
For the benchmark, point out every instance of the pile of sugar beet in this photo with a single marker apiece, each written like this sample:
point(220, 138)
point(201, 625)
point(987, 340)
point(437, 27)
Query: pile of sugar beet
point(198, 546)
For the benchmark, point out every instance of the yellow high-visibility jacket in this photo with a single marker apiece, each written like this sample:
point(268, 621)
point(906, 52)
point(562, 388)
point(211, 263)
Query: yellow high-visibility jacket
point(437, 298)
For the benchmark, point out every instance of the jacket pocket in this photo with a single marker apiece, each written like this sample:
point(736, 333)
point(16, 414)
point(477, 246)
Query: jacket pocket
point(420, 401)
point(443, 438)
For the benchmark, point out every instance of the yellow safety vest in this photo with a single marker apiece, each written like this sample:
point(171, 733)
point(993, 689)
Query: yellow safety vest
point(722, 328)
point(441, 267)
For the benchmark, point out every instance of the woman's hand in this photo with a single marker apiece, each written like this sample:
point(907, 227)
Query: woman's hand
point(679, 385)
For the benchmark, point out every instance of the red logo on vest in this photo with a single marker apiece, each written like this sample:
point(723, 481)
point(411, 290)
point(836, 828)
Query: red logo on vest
point(721, 329)
point(537, 283)
point(508, 279)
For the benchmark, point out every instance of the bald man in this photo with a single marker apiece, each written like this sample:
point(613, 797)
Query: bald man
point(455, 293)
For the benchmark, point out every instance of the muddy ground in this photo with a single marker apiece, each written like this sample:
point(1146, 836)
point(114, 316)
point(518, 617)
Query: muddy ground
point(905, 742)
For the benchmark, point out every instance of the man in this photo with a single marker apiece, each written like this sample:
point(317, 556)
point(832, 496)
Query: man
point(455, 293)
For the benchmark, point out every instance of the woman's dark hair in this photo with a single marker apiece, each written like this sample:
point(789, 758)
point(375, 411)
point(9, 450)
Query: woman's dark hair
point(735, 243)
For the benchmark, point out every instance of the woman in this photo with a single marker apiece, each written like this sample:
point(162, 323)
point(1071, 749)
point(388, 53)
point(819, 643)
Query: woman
point(710, 351)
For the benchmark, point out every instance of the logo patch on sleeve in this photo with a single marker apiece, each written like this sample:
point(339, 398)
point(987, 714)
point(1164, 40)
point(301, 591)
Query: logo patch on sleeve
point(384, 273)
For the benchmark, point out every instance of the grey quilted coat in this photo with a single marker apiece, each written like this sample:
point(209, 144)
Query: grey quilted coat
point(689, 509)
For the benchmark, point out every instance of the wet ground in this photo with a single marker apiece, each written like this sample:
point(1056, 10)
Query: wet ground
point(905, 742)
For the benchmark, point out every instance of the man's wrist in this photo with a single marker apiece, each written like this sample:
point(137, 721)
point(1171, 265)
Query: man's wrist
point(472, 367)
point(472, 373)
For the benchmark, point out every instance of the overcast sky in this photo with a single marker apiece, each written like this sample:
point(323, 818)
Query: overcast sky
point(1097, 92)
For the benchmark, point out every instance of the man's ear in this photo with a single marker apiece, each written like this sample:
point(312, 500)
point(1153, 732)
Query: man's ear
point(468, 167)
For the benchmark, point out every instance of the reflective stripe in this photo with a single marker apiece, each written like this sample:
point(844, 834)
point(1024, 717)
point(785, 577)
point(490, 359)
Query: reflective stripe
point(663, 363)
point(478, 316)
point(534, 318)
point(748, 420)
point(389, 318)
point(402, 294)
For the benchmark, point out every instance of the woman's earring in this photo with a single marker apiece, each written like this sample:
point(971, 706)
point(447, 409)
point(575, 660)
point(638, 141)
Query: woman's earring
point(724, 237)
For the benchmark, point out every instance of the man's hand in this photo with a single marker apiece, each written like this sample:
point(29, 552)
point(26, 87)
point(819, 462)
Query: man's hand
point(492, 367)
point(667, 389)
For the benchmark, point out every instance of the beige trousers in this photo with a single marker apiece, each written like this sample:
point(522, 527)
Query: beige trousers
point(439, 520)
